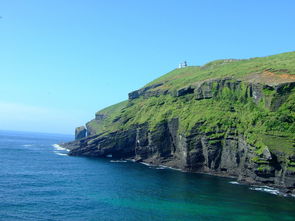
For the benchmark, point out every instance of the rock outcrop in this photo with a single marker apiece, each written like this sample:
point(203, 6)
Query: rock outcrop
point(148, 91)
point(196, 119)
point(228, 155)
point(80, 132)
point(197, 152)
point(272, 95)
point(90, 125)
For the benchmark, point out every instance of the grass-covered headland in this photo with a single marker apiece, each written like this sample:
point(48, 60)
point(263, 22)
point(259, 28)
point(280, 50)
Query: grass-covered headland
point(228, 116)
point(230, 110)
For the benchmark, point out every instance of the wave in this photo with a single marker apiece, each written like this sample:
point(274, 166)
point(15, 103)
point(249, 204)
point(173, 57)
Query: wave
point(58, 147)
point(177, 169)
point(146, 164)
point(234, 182)
point(161, 167)
point(268, 190)
point(60, 154)
point(27, 145)
point(118, 161)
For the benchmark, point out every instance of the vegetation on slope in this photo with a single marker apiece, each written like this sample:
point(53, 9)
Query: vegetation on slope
point(229, 112)
point(108, 115)
point(277, 64)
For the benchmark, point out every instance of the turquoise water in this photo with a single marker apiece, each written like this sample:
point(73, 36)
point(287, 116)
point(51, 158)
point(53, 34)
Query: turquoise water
point(39, 182)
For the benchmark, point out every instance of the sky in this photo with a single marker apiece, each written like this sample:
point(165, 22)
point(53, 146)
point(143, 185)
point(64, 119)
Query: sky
point(63, 60)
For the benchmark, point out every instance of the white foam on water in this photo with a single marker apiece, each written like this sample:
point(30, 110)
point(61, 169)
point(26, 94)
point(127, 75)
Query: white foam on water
point(118, 161)
point(171, 168)
point(147, 164)
point(60, 154)
point(27, 145)
point(109, 155)
point(268, 190)
point(234, 182)
point(58, 147)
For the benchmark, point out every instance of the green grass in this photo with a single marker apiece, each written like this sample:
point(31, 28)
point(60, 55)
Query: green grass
point(229, 112)
point(258, 160)
point(278, 64)
point(111, 113)
point(291, 169)
point(263, 168)
point(113, 110)
point(279, 144)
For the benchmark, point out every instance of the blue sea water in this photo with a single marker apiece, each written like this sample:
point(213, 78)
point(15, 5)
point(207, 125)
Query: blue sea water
point(38, 181)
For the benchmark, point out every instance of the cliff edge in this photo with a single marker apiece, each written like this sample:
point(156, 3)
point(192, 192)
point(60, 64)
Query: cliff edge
point(229, 117)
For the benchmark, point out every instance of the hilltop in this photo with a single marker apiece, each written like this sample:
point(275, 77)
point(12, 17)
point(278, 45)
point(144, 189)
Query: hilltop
point(229, 117)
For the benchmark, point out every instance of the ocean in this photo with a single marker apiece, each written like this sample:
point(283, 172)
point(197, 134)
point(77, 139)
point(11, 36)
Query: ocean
point(39, 181)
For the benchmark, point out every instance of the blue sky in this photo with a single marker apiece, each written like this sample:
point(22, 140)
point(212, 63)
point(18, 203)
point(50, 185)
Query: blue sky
point(62, 60)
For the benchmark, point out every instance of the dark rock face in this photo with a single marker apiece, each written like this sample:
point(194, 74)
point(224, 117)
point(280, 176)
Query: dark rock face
point(184, 91)
point(80, 132)
point(272, 95)
point(197, 152)
point(147, 92)
point(100, 116)
point(90, 129)
point(209, 88)
point(119, 144)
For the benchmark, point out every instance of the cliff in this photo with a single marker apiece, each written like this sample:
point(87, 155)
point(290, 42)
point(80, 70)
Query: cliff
point(228, 117)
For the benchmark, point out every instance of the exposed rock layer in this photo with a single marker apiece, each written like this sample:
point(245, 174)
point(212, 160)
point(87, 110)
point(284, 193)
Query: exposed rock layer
point(197, 152)
point(80, 132)
point(228, 155)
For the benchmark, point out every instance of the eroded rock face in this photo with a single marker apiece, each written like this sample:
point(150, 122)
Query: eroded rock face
point(272, 95)
point(147, 92)
point(80, 132)
point(119, 144)
point(197, 152)
point(90, 128)
point(100, 116)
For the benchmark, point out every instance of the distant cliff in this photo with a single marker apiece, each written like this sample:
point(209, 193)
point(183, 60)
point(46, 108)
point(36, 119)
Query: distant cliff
point(228, 117)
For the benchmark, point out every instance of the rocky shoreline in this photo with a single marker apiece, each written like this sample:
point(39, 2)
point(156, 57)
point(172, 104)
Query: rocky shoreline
point(258, 186)
point(227, 156)
point(237, 125)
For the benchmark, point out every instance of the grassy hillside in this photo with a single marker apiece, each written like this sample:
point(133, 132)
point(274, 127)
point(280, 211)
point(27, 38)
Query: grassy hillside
point(276, 64)
point(229, 112)
point(107, 123)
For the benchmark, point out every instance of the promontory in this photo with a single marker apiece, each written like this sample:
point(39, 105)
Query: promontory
point(228, 117)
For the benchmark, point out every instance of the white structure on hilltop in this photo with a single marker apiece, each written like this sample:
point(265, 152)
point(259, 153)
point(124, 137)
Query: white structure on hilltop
point(183, 65)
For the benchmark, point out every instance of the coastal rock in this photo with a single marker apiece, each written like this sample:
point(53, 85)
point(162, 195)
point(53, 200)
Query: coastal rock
point(147, 92)
point(119, 144)
point(273, 96)
point(100, 117)
point(91, 130)
point(196, 152)
point(184, 91)
point(80, 132)
point(239, 126)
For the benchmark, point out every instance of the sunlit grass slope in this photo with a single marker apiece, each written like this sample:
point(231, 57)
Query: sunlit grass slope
point(229, 112)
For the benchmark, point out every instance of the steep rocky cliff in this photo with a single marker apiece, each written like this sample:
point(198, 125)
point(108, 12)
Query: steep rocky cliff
point(229, 117)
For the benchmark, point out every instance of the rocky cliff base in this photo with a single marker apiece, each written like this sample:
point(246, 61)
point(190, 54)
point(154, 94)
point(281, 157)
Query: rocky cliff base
point(229, 117)
point(228, 155)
